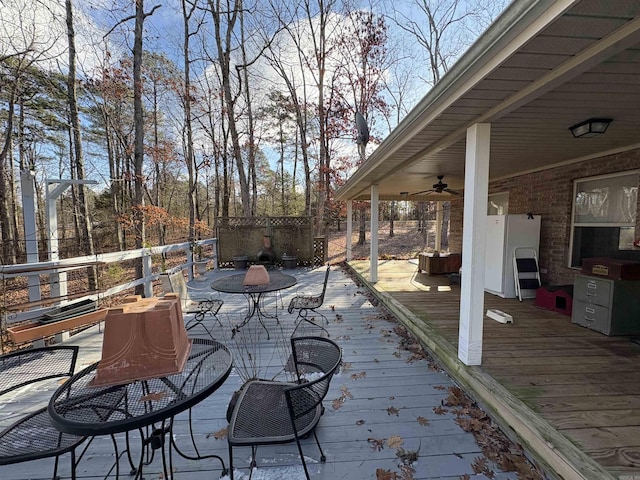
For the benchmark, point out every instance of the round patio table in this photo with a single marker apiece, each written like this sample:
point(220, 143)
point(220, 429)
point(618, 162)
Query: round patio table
point(81, 408)
point(254, 293)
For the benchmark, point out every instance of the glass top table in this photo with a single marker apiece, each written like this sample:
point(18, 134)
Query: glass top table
point(254, 293)
point(81, 408)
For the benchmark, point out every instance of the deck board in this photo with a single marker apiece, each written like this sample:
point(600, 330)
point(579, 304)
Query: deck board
point(377, 374)
point(585, 384)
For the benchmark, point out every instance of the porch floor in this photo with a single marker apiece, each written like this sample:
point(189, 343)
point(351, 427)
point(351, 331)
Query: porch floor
point(584, 384)
point(384, 402)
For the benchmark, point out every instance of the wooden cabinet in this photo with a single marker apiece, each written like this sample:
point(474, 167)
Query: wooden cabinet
point(437, 265)
point(608, 306)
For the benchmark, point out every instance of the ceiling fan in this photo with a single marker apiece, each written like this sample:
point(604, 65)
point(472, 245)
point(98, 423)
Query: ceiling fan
point(438, 188)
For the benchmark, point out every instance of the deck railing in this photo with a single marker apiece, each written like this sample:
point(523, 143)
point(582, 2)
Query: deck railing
point(35, 307)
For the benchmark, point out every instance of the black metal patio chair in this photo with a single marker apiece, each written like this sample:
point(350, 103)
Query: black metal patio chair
point(193, 300)
point(304, 304)
point(32, 437)
point(270, 412)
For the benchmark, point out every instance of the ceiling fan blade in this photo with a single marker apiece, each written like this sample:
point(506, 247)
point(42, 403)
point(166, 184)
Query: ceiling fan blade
point(422, 192)
point(452, 192)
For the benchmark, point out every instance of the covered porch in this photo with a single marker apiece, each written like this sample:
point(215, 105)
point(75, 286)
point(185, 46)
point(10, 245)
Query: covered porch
point(571, 394)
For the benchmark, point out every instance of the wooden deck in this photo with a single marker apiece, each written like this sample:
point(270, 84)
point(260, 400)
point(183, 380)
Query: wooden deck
point(385, 402)
point(582, 384)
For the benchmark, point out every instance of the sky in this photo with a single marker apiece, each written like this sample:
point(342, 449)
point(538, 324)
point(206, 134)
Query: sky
point(98, 29)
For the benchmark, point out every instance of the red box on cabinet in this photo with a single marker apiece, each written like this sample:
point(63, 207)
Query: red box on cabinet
point(612, 268)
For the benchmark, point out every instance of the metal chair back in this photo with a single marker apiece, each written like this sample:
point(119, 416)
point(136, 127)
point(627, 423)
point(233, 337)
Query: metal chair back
point(322, 356)
point(324, 286)
point(32, 436)
point(271, 412)
point(24, 367)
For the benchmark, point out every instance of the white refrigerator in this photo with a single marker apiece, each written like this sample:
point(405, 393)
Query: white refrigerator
point(504, 234)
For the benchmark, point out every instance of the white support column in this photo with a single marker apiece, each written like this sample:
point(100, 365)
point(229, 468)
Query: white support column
point(147, 270)
point(439, 217)
point(349, 229)
point(373, 276)
point(55, 188)
point(29, 206)
point(476, 189)
point(58, 281)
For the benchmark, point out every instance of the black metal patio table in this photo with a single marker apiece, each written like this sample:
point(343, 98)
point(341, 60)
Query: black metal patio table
point(148, 406)
point(254, 293)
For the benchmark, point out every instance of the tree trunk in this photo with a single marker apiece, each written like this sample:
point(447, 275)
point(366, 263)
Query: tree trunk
point(251, 144)
point(393, 215)
point(363, 227)
point(138, 161)
point(8, 255)
point(224, 59)
point(85, 218)
point(190, 157)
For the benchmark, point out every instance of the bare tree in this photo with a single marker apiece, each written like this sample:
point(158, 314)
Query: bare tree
point(23, 46)
point(85, 218)
point(225, 17)
point(187, 14)
point(444, 28)
point(138, 120)
point(279, 58)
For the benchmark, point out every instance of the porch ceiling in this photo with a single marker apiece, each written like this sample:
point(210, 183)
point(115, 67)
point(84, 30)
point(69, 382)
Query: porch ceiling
point(543, 66)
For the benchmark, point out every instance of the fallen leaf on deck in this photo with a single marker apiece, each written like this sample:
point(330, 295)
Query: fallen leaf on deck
point(481, 465)
point(470, 424)
point(457, 398)
point(338, 402)
point(440, 387)
point(478, 464)
point(423, 421)
point(345, 392)
point(220, 434)
point(407, 456)
point(393, 411)
point(357, 376)
point(360, 422)
point(386, 475)
point(395, 441)
point(407, 472)
point(440, 411)
point(433, 366)
point(376, 443)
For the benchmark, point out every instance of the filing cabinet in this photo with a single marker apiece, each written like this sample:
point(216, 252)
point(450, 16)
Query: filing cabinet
point(607, 306)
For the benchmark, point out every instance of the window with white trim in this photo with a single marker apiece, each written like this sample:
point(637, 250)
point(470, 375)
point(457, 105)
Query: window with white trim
point(604, 217)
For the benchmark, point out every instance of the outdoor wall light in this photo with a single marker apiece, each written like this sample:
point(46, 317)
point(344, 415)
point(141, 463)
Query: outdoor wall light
point(590, 128)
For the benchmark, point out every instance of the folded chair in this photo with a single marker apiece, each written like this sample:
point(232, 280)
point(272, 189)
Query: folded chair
point(193, 300)
point(309, 303)
point(32, 437)
point(270, 412)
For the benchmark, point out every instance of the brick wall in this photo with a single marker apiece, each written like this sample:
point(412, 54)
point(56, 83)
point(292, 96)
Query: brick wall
point(549, 194)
